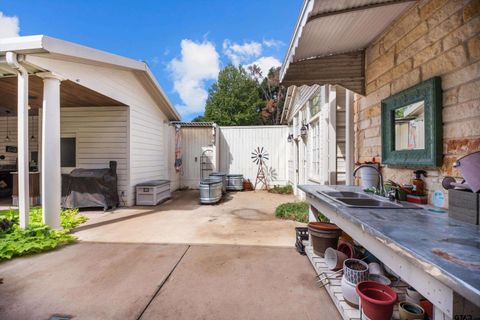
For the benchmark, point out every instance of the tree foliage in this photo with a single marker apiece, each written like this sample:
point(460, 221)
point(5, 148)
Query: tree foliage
point(234, 99)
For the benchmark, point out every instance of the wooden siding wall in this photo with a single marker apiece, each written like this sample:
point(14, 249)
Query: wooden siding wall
point(237, 143)
point(195, 140)
point(10, 158)
point(148, 131)
point(102, 136)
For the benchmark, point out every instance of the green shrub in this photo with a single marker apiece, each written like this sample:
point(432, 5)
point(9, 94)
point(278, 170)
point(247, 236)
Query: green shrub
point(37, 237)
point(297, 211)
point(288, 189)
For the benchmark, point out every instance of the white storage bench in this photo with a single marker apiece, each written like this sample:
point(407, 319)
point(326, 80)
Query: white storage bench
point(153, 192)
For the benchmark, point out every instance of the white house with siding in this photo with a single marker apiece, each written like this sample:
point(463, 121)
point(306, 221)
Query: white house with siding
point(318, 135)
point(110, 106)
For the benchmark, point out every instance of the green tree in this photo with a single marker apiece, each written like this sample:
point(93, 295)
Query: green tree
point(198, 119)
point(234, 99)
point(273, 93)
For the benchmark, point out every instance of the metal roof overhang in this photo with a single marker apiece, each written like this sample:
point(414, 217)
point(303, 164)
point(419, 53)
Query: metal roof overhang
point(330, 38)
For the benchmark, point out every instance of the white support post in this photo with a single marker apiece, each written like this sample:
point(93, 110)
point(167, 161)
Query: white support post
point(22, 141)
point(349, 138)
point(332, 135)
point(51, 170)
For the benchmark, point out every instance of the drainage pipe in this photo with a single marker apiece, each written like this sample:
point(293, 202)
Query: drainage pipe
point(22, 141)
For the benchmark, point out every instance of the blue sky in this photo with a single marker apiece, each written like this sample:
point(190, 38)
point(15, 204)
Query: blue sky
point(184, 42)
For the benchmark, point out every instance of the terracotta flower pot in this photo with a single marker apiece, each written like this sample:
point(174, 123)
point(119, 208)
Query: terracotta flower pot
point(323, 235)
point(347, 248)
point(376, 300)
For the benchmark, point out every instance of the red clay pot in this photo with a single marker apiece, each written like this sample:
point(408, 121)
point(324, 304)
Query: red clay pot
point(377, 300)
point(346, 248)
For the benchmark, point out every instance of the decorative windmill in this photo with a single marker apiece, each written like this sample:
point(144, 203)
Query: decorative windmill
point(259, 156)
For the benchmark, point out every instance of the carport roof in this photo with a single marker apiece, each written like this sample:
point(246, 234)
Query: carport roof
point(330, 38)
point(68, 51)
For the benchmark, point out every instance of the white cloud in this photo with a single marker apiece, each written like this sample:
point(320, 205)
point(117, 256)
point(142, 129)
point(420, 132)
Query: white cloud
point(273, 43)
point(9, 26)
point(265, 64)
point(241, 53)
point(199, 63)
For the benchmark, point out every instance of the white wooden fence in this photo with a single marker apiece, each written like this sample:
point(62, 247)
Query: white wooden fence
point(237, 143)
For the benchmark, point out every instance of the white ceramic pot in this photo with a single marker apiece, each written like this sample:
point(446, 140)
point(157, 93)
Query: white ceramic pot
point(350, 293)
point(334, 259)
point(380, 279)
point(375, 268)
point(413, 296)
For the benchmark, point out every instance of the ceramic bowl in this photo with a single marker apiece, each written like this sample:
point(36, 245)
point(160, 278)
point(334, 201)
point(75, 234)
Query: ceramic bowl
point(413, 296)
point(350, 293)
point(380, 279)
point(410, 311)
point(355, 270)
point(334, 259)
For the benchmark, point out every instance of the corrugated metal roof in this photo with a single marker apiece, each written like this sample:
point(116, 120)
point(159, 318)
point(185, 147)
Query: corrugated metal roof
point(327, 28)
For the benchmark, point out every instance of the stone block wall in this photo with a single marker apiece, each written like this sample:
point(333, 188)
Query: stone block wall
point(433, 38)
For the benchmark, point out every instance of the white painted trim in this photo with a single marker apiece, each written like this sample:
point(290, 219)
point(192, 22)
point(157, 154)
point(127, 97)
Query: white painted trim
point(349, 138)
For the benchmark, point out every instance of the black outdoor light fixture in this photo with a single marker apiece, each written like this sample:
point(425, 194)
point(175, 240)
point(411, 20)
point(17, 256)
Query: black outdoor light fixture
point(303, 130)
point(290, 137)
point(7, 138)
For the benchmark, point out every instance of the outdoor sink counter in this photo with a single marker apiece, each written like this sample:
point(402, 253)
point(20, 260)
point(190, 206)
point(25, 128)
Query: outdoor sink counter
point(437, 255)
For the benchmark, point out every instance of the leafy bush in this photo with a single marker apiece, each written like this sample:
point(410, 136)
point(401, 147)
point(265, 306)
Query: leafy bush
point(297, 211)
point(288, 189)
point(37, 237)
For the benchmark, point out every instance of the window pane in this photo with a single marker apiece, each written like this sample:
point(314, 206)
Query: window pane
point(68, 152)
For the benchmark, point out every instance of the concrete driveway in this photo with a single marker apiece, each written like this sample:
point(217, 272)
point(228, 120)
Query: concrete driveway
point(176, 261)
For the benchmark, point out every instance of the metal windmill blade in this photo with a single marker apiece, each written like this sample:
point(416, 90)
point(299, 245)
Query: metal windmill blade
point(259, 155)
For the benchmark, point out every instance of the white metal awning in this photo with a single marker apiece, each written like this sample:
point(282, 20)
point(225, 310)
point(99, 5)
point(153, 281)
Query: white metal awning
point(328, 45)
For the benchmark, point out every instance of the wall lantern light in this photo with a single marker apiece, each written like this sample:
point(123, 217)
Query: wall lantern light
point(303, 130)
point(290, 137)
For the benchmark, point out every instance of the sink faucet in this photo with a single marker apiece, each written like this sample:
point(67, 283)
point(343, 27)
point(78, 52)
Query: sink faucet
point(382, 188)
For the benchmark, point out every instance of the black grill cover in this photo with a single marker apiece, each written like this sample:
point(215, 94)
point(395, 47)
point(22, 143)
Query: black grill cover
point(87, 188)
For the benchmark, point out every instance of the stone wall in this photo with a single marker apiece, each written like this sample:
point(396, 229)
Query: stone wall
point(433, 38)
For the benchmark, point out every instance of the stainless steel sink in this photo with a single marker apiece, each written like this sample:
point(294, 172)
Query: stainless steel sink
point(344, 194)
point(361, 200)
point(368, 203)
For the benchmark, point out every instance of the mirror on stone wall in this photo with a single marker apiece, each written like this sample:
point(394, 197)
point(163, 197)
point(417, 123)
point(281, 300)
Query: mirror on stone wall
point(410, 126)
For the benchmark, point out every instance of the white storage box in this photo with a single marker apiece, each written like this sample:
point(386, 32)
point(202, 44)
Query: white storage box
point(153, 192)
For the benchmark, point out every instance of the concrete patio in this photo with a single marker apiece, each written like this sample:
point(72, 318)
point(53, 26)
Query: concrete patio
point(180, 260)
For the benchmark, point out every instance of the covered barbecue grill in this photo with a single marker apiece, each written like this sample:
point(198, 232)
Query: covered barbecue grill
point(89, 188)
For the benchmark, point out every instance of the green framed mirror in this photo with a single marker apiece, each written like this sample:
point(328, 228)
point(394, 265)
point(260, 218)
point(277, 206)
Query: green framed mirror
point(412, 126)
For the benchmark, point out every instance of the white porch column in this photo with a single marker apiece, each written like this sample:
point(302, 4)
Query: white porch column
point(349, 138)
point(22, 139)
point(51, 170)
